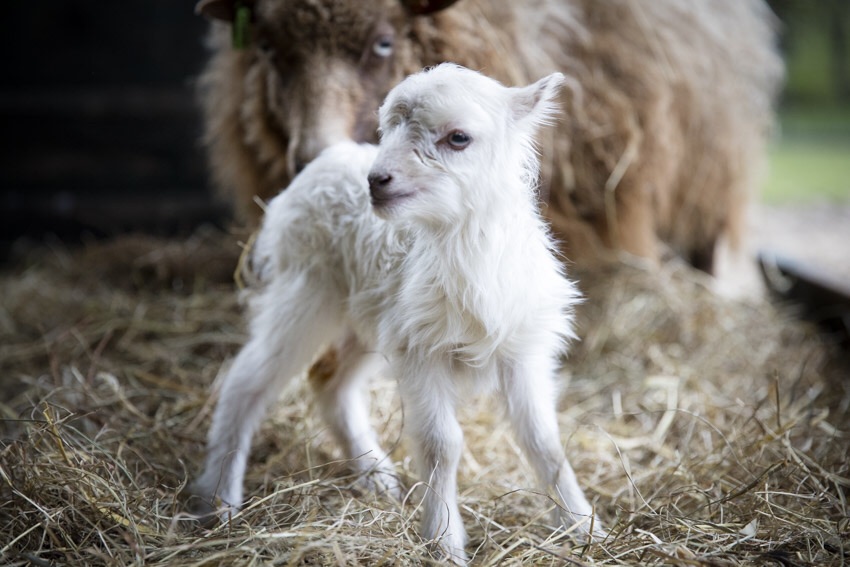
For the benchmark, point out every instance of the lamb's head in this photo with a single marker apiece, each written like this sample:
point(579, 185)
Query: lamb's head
point(313, 72)
point(454, 141)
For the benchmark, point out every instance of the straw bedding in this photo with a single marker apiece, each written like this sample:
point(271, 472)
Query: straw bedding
point(706, 432)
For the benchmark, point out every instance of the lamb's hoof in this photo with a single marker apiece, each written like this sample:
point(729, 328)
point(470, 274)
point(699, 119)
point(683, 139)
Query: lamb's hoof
point(596, 533)
point(208, 511)
point(383, 483)
point(448, 555)
point(586, 528)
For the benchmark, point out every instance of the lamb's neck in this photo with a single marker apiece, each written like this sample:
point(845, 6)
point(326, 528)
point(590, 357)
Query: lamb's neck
point(460, 283)
point(483, 238)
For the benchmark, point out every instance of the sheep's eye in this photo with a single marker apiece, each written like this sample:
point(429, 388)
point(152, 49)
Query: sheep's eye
point(264, 46)
point(458, 140)
point(383, 46)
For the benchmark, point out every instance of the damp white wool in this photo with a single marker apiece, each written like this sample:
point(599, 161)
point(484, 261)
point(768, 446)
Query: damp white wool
point(426, 254)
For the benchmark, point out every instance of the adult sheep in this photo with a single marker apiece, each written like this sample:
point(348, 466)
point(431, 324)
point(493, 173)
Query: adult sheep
point(667, 113)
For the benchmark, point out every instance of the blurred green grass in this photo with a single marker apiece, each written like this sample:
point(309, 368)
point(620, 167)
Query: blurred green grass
point(810, 159)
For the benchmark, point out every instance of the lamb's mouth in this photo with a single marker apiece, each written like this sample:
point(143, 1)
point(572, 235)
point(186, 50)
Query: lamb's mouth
point(385, 201)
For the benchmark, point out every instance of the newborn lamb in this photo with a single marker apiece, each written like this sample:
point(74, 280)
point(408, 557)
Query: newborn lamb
point(440, 265)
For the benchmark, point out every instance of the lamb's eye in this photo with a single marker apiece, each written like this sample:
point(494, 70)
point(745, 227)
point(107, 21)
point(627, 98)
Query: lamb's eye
point(383, 46)
point(458, 140)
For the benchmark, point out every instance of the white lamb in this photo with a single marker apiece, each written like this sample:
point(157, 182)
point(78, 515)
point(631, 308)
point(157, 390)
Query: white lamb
point(441, 265)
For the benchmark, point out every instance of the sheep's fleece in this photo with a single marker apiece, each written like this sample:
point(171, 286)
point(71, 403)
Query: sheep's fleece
point(667, 110)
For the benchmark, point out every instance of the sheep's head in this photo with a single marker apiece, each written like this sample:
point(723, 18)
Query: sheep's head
point(454, 141)
point(318, 68)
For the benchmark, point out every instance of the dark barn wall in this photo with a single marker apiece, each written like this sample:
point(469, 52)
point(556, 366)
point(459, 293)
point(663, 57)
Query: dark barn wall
point(100, 128)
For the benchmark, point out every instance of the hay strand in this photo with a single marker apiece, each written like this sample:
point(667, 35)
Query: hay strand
point(706, 432)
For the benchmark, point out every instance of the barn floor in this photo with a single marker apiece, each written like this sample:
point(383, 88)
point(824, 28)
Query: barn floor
point(706, 430)
point(818, 233)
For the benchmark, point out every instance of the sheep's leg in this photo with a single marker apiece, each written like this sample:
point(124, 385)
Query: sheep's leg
point(291, 319)
point(429, 413)
point(703, 257)
point(633, 227)
point(529, 398)
point(338, 379)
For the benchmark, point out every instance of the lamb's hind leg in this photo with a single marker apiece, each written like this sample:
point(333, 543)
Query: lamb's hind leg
point(291, 320)
point(338, 379)
point(529, 397)
point(429, 411)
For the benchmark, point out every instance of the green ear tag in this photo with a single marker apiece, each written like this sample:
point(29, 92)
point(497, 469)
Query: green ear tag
point(241, 26)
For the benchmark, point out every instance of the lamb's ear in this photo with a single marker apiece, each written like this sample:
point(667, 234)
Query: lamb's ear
point(538, 102)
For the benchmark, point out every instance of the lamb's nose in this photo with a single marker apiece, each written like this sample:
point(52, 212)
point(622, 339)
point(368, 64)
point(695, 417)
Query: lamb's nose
point(378, 183)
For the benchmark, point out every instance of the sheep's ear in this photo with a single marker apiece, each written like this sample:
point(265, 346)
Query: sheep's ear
point(537, 102)
point(238, 13)
point(422, 7)
point(224, 10)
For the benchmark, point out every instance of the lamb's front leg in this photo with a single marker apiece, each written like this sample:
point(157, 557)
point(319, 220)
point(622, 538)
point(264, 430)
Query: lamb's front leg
point(529, 397)
point(429, 411)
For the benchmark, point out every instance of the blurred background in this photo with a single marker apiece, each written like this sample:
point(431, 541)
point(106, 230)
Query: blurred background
point(100, 128)
point(812, 157)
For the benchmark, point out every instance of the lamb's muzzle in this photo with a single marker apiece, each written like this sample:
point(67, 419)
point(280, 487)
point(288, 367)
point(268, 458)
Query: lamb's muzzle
point(379, 188)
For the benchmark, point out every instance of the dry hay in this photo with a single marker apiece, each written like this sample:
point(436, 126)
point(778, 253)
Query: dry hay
point(706, 432)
